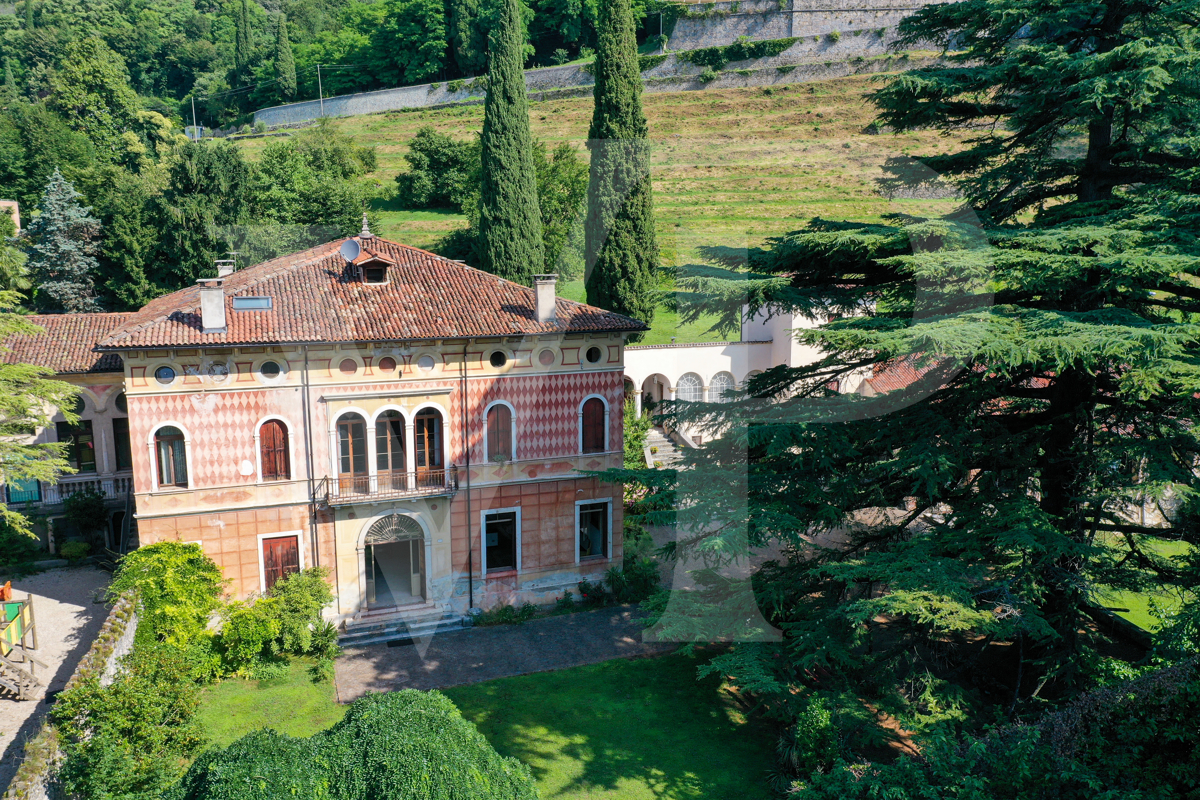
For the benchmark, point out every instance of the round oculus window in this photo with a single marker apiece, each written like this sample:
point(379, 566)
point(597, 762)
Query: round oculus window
point(425, 363)
point(165, 375)
point(348, 366)
point(218, 372)
point(387, 364)
point(270, 369)
point(546, 358)
point(594, 355)
point(498, 359)
point(122, 403)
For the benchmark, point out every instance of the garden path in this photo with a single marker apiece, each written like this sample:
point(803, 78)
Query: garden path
point(481, 654)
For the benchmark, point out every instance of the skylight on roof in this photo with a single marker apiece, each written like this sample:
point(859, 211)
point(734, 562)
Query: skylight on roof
point(251, 304)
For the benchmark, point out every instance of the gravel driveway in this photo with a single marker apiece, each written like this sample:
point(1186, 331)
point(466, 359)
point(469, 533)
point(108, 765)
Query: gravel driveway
point(68, 618)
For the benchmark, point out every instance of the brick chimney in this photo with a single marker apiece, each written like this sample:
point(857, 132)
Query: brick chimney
point(212, 304)
point(543, 286)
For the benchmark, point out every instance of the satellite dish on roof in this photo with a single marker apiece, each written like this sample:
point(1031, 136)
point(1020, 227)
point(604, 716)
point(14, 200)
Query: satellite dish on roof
point(351, 250)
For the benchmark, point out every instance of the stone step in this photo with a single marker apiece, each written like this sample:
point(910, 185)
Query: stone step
point(364, 632)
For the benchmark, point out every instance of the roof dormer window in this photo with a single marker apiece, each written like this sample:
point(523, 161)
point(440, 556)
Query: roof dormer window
point(374, 272)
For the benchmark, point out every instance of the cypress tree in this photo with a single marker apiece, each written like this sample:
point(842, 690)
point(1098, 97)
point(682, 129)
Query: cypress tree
point(285, 64)
point(510, 222)
point(28, 15)
point(9, 90)
point(620, 247)
point(242, 43)
point(61, 244)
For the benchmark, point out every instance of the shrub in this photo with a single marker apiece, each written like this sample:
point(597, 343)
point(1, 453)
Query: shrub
point(566, 602)
point(302, 596)
point(74, 551)
point(633, 583)
point(87, 512)
point(130, 740)
point(439, 169)
point(506, 615)
point(560, 56)
point(260, 127)
point(587, 52)
point(405, 744)
point(456, 85)
point(646, 63)
point(16, 547)
point(708, 76)
point(250, 631)
point(784, 70)
point(808, 745)
point(178, 586)
point(834, 36)
point(592, 595)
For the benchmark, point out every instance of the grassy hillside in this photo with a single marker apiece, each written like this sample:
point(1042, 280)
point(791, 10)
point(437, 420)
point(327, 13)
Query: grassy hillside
point(731, 166)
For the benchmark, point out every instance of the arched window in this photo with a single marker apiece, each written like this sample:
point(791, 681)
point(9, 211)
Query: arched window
point(352, 453)
point(389, 451)
point(689, 388)
point(428, 434)
point(170, 451)
point(593, 425)
point(499, 433)
point(273, 451)
point(720, 387)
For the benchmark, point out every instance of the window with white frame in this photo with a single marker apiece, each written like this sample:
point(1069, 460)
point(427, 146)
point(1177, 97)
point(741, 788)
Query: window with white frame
point(501, 539)
point(592, 523)
point(720, 388)
point(689, 388)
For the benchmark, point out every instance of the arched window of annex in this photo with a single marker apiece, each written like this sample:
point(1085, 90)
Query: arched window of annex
point(593, 425)
point(500, 432)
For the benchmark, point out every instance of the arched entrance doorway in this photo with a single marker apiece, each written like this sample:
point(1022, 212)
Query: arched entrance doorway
point(394, 555)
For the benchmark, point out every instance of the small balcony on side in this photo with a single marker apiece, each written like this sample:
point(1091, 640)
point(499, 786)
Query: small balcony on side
point(347, 489)
point(41, 494)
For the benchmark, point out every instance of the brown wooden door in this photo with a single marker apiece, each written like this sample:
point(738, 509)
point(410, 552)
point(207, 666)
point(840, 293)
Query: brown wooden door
point(389, 452)
point(352, 454)
point(281, 556)
point(273, 448)
point(428, 433)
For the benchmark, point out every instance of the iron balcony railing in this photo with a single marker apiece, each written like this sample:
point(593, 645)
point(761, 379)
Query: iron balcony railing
point(345, 489)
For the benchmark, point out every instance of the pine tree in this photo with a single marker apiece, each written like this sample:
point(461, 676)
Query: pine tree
point(1043, 448)
point(61, 243)
point(242, 43)
point(620, 248)
point(510, 222)
point(285, 64)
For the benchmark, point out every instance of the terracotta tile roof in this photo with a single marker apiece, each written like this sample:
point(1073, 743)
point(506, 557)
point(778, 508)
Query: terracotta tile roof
point(315, 299)
point(899, 373)
point(66, 343)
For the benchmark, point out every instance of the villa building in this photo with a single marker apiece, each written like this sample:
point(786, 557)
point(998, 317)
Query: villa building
point(422, 429)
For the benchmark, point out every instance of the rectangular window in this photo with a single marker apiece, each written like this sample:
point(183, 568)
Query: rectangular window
point(593, 530)
point(121, 442)
point(81, 446)
point(251, 304)
point(500, 540)
point(29, 491)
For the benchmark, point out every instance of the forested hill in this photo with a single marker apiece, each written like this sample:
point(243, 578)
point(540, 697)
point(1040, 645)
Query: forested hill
point(233, 56)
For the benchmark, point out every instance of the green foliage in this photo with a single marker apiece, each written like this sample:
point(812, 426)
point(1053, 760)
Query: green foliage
point(620, 247)
point(302, 596)
point(708, 75)
point(510, 221)
point(808, 745)
point(647, 63)
point(743, 49)
point(634, 582)
point(17, 546)
point(178, 586)
point(132, 738)
point(1136, 739)
point(60, 246)
point(285, 63)
point(834, 36)
point(439, 170)
point(74, 551)
point(91, 90)
point(86, 512)
point(399, 744)
point(505, 614)
point(1122, 93)
point(635, 430)
point(249, 632)
point(415, 37)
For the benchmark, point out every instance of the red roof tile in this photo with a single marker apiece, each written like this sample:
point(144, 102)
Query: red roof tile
point(66, 343)
point(315, 299)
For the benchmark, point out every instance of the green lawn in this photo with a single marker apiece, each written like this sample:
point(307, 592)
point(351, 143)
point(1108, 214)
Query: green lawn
point(291, 704)
point(640, 729)
point(1138, 603)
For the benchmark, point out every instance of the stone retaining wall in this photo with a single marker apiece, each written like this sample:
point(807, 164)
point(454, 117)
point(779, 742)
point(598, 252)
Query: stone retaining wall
point(805, 56)
point(36, 777)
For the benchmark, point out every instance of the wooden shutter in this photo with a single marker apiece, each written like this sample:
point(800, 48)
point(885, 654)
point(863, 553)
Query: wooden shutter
point(593, 426)
point(499, 432)
point(281, 557)
point(273, 446)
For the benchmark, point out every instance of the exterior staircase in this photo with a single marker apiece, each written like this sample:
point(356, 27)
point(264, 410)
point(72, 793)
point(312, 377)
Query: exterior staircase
point(663, 453)
point(410, 622)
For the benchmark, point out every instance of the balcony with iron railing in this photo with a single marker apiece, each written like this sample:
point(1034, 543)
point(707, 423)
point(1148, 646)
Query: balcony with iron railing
point(347, 489)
